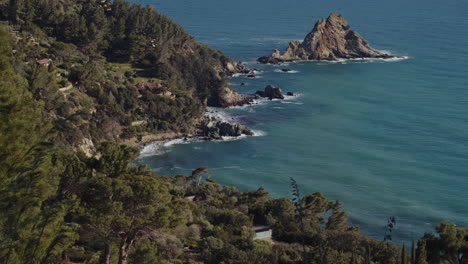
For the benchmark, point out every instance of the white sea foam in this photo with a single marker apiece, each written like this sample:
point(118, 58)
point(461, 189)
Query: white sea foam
point(152, 149)
point(249, 107)
point(229, 138)
point(220, 115)
point(281, 64)
point(178, 141)
point(296, 103)
point(259, 133)
point(396, 58)
point(237, 75)
point(291, 71)
point(344, 61)
point(254, 72)
point(161, 147)
point(293, 97)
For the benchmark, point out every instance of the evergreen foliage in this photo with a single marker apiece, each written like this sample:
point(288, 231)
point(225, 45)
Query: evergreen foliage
point(66, 205)
point(32, 224)
point(107, 60)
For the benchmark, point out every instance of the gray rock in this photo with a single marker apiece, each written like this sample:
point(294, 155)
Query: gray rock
point(213, 129)
point(227, 97)
point(272, 92)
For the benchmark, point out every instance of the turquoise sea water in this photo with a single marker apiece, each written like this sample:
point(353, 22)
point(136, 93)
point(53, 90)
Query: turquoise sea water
point(386, 138)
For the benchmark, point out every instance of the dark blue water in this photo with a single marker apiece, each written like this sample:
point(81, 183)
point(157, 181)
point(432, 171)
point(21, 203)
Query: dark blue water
point(386, 138)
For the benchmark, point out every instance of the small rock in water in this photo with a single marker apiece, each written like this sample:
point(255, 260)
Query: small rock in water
point(251, 76)
point(242, 84)
point(271, 92)
point(290, 93)
point(285, 70)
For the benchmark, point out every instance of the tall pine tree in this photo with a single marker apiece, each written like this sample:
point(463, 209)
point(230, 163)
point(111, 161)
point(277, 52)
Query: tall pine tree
point(32, 227)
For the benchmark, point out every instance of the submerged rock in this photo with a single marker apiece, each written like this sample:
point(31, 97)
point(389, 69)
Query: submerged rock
point(272, 92)
point(330, 39)
point(290, 94)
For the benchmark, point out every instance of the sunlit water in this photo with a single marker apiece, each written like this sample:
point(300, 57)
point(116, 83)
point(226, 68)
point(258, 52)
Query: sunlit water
point(388, 138)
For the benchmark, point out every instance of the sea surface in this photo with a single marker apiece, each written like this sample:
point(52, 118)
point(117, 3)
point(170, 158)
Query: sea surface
point(387, 138)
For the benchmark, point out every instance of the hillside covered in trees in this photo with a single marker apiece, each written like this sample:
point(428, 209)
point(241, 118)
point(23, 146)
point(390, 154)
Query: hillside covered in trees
point(58, 205)
point(113, 70)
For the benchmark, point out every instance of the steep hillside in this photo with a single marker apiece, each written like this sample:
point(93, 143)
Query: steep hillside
point(115, 70)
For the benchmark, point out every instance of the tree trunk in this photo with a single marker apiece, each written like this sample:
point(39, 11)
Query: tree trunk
point(124, 248)
point(105, 258)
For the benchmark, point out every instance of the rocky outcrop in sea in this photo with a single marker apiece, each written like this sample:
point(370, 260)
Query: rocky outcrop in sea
point(211, 128)
point(271, 92)
point(330, 39)
point(229, 97)
point(233, 67)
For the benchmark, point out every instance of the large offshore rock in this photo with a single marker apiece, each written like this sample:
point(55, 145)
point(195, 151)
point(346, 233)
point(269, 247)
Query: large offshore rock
point(330, 39)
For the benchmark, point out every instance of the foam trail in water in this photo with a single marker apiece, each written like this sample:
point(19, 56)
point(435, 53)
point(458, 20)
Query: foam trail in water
point(291, 71)
point(220, 115)
point(259, 133)
point(161, 147)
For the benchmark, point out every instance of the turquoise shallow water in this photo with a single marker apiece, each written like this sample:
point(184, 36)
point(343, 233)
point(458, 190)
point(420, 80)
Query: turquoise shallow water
point(386, 138)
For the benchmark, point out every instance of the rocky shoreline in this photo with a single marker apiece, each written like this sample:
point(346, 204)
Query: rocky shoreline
point(330, 39)
point(211, 128)
point(207, 128)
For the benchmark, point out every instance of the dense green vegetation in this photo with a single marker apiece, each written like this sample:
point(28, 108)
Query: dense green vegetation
point(105, 61)
point(64, 205)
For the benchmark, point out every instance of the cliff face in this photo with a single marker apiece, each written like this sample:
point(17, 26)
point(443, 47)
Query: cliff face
point(330, 39)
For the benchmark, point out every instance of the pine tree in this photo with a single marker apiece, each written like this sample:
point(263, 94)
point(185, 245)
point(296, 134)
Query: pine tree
point(296, 194)
point(404, 256)
point(368, 255)
point(337, 221)
point(421, 256)
point(122, 203)
point(32, 227)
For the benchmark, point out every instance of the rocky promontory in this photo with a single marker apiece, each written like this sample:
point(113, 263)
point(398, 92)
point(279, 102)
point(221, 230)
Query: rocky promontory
point(227, 97)
point(330, 39)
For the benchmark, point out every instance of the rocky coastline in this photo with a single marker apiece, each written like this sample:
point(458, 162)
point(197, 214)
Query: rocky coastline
point(206, 128)
point(330, 39)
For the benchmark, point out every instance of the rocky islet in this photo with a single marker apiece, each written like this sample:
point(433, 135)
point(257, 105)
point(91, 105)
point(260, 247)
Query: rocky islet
point(330, 39)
